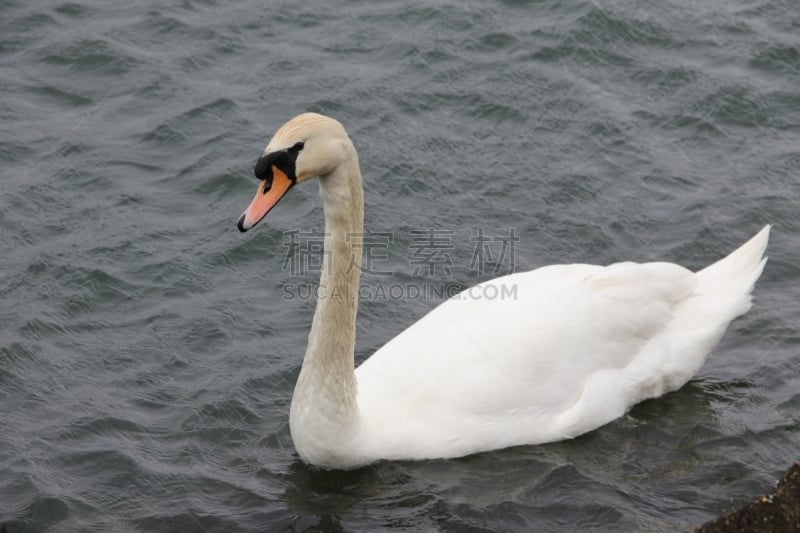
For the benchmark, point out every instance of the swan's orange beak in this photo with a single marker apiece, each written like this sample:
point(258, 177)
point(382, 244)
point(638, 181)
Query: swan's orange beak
point(265, 199)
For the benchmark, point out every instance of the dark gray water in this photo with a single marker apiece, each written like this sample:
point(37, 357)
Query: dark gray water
point(148, 350)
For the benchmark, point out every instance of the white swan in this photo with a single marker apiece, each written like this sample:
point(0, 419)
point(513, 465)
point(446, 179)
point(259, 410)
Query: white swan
point(577, 347)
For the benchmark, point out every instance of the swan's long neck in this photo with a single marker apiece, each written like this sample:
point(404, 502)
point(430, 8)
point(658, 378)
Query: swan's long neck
point(324, 405)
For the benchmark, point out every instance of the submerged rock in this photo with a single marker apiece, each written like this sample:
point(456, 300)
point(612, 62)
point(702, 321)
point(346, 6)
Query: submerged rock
point(776, 512)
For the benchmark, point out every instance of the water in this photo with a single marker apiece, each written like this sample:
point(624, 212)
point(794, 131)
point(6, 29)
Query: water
point(148, 352)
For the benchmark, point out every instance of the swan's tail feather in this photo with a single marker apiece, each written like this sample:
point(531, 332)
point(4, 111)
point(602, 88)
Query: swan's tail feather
point(724, 287)
point(738, 271)
point(722, 294)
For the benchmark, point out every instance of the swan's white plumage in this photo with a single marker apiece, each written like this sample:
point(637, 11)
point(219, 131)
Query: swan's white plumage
point(576, 348)
point(528, 358)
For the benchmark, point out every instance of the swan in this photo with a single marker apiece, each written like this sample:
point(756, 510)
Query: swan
point(576, 348)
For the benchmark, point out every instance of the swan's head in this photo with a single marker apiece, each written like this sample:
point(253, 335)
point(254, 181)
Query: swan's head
point(308, 145)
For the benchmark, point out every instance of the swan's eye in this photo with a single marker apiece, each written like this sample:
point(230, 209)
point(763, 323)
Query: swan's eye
point(283, 159)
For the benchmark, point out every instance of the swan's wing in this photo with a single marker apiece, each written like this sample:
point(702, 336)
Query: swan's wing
point(560, 354)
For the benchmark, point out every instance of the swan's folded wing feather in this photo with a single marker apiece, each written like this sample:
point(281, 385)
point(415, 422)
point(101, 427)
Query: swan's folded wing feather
point(638, 300)
point(521, 362)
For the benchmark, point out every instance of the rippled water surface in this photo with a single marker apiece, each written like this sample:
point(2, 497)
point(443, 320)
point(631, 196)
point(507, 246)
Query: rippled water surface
point(148, 350)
